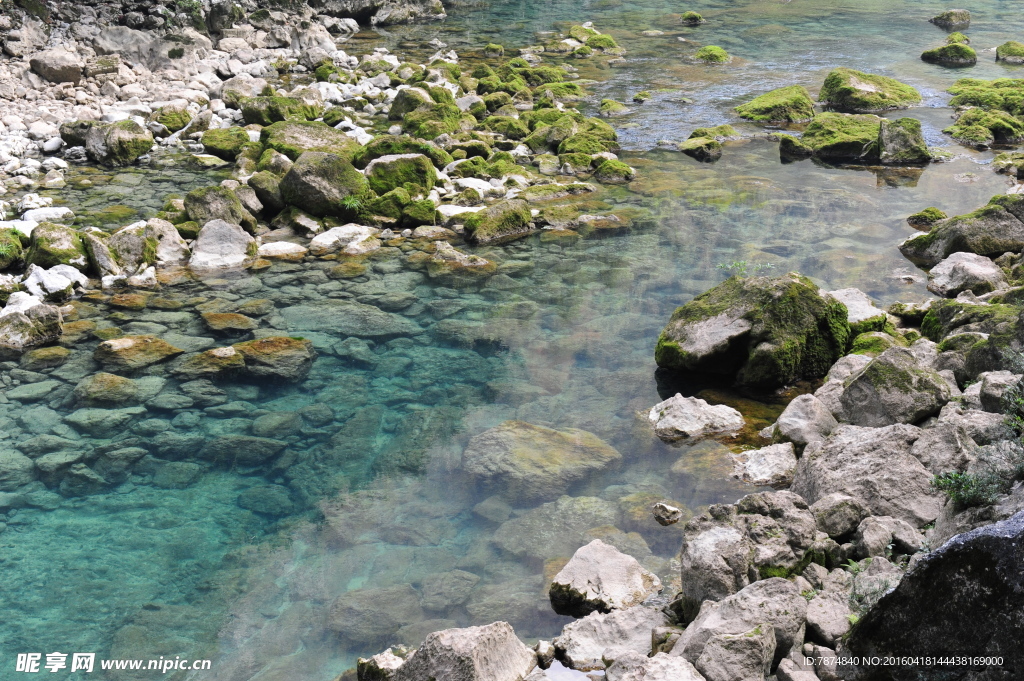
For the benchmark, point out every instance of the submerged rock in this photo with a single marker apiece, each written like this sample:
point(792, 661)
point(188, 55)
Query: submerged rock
point(134, 352)
point(531, 463)
point(277, 357)
point(764, 331)
point(600, 578)
point(693, 419)
point(962, 599)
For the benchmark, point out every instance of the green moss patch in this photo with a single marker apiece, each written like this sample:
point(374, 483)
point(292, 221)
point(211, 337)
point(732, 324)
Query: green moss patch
point(858, 92)
point(789, 104)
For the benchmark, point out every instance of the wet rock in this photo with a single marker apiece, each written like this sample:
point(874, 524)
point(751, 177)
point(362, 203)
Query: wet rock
point(740, 328)
point(901, 142)
point(321, 184)
point(790, 104)
point(747, 655)
point(15, 470)
point(857, 92)
point(177, 475)
point(130, 353)
point(773, 601)
point(269, 500)
point(632, 666)
point(241, 450)
point(413, 172)
point(370, 615)
point(277, 424)
point(966, 272)
point(229, 322)
point(693, 419)
point(217, 204)
point(102, 422)
point(278, 357)
point(667, 515)
point(117, 144)
point(485, 653)
point(500, 220)
point(211, 363)
point(991, 230)
point(447, 260)
point(439, 592)
point(772, 466)
point(106, 389)
point(861, 312)
point(80, 480)
point(599, 638)
point(963, 598)
point(599, 578)
point(893, 388)
point(531, 463)
point(293, 138)
point(875, 465)
point(952, 18)
point(53, 244)
point(554, 529)
point(26, 321)
point(806, 419)
point(348, 318)
point(221, 245)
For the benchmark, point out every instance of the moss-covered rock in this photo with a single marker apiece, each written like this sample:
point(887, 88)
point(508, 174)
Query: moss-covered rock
point(614, 172)
point(225, 143)
point(712, 54)
point(494, 50)
point(874, 343)
point(188, 229)
point(763, 331)
point(992, 230)
point(691, 18)
point(130, 353)
point(609, 108)
point(1006, 94)
point(953, 54)
point(277, 358)
point(324, 184)
point(501, 220)
point(957, 37)
point(704, 149)
point(52, 244)
point(982, 128)
point(584, 143)
point(174, 117)
point(422, 212)
point(926, 218)
point(843, 137)
point(435, 120)
point(389, 145)
point(902, 142)
point(510, 127)
point(791, 104)
point(601, 41)
point(390, 205)
point(118, 144)
point(413, 172)
point(792, 148)
point(952, 18)
point(218, 203)
point(11, 250)
point(858, 92)
point(292, 138)
point(267, 186)
point(1012, 52)
point(268, 110)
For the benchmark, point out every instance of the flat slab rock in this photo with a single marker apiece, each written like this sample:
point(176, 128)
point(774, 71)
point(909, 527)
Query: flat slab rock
point(600, 578)
point(691, 418)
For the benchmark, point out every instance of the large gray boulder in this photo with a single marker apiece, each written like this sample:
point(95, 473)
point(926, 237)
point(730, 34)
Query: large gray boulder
point(486, 653)
point(838, 515)
point(804, 420)
point(371, 615)
point(632, 666)
point(774, 601)
point(828, 617)
point(994, 385)
point(587, 643)
point(965, 598)
point(991, 231)
point(58, 66)
point(966, 272)
point(875, 465)
point(861, 312)
point(600, 578)
point(218, 203)
point(729, 546)
point(221, 245)
point(893, 388)
point(762, 331)
point(693, 419)
point(15, 470)
point(527, 463)
point(771, 466)
point(738, 657)
point(117, 144)
point(321, 183)
point(27, 321)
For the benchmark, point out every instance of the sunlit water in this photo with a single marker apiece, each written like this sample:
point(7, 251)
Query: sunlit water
point(375, 504)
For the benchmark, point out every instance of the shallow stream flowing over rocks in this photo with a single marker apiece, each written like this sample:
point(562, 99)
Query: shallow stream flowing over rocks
point(406, 448)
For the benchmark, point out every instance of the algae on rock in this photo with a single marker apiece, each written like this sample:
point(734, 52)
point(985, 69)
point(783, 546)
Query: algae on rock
point(852, 91)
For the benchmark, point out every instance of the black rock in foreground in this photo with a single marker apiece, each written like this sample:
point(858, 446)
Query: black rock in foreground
point(965, 599)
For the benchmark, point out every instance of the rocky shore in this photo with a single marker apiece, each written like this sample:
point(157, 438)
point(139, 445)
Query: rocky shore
point(886, 506)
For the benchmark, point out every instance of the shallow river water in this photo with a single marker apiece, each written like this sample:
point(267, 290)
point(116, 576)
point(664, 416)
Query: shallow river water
point(371, 505)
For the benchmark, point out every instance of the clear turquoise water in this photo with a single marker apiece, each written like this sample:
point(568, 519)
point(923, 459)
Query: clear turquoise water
point(562, 337)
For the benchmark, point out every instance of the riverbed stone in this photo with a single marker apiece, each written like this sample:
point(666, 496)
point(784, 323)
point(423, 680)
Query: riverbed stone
point(599, 638)
point(134, 352)
point(991, 230)
point(693, 419)
point(746, 655)
point(966, 272)
point(321, 184)
point(106, 389)
point(555, 529)
point(221, 245)
point(633, 666)
point(853, 91)
point(600, 578)
point(771, 466)
point(893, 388)
point(485, 653)
point(370, 615)
point(15, 470)
point(277, 358)
point(532, 463)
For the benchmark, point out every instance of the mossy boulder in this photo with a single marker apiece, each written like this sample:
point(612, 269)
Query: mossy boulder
point(53, 244)
point(117, 144)
point(873, 343)
point(279, 358)
point(11, 250)
point(992, 230)
point(324, 184)
point(901, 142)
point(957, 37)
point(494, 50)
point(953, 54)
point(584, 143)
point(292, 138)
point(792, 148)
point(893, 388)
point(691, 18)
point(611, 171)
point(712, 54)
point(267, 186)
point(409, 100)
point(104, 389)
point(422, 212)
point(705, 149)
point(174, 117)
point(858, 92)
point(510, 127)
point(268, 110)
point(1011, 52)
point(436, 120)
point(500, 220)
point(764, 332)
point(218, 203)
point(843, 137)
point(130, 353)
point(602, 41)
point(791, 104)
point(1010, 163)
point(952, 18)
point(610, 107)
point(225, 143)
point(582, 33)
point(390, 205)
point(982, 128)
point(1006, 94)
point(413, 172)
point(924, 219)
point(389, 145)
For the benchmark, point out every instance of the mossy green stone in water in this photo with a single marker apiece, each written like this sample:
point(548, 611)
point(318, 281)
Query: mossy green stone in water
point(951, 18)
point(901, 142)
point(1002, 93)
point(583, 144)
point(434, 121)
point(11, 250)
point(187, 230)
point(559, 92)
point(582, 33)
point(1011, 52)
point(268, 110)
point(926, 217)
point(601, 42)
point(691, 18)
point(954, 54)
point(704, 149)
point(847, 137)
point(499, 220)
point(641, 97)
point(225, 143)
point(422, 212)
point(390, 205)
point(614, 172)
point(858, 92)
point(292, 138)
point(957, 37)
point(609, 107)
point(790, 146)
point(719, 132)
point(712, 54)
point(513, 128)
point(174, 119)
point(52, 244)
point(388, 145)
point(874, 343)
point(493, 50)
point(790, 104)
point(981, 128)
point(413, 172)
